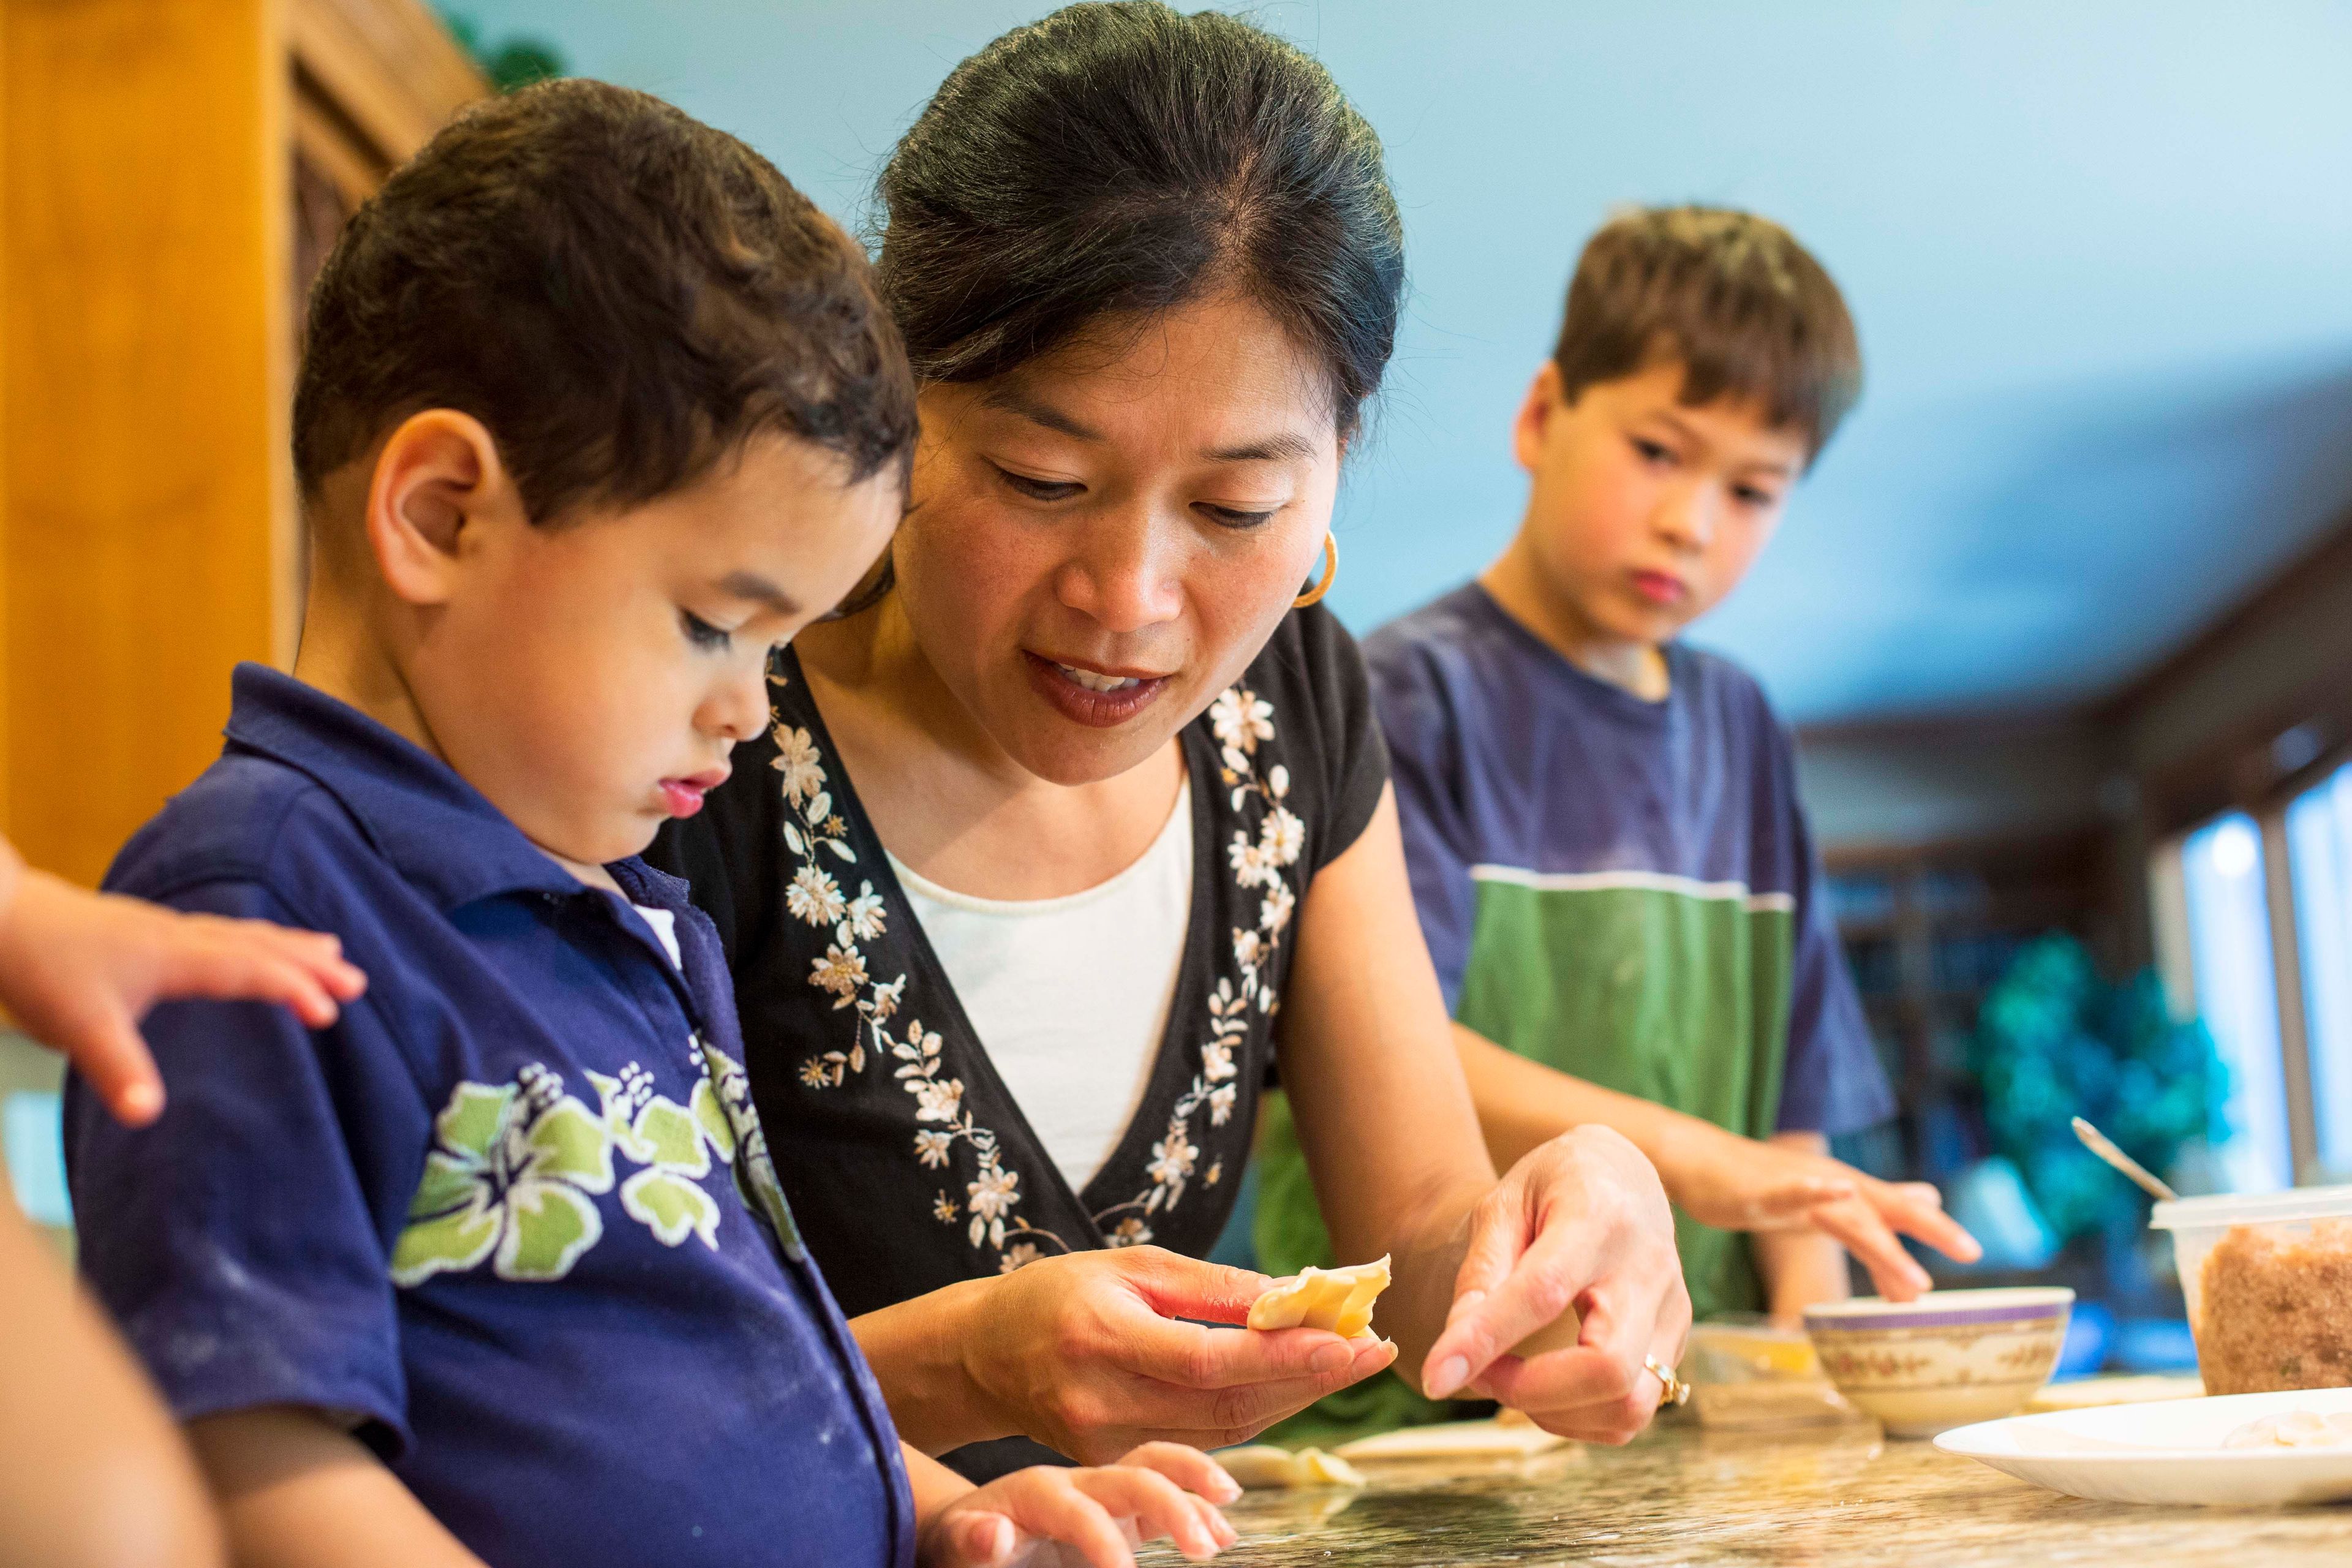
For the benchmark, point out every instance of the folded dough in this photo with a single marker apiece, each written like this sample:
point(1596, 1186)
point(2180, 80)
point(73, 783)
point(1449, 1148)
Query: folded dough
point(1262, 1467)
point(1491, 1439)
point(1339, 1300)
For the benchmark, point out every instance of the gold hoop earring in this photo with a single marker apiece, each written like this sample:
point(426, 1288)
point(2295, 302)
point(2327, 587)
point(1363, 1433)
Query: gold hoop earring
point(1330, 575)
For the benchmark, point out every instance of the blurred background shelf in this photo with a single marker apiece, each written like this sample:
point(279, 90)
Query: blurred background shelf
point(174, 171)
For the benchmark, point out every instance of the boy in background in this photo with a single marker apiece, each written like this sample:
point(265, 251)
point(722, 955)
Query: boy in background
point(1610, 862)
point(595, 411)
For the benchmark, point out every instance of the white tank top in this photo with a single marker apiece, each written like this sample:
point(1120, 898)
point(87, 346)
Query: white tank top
point(1070, 996)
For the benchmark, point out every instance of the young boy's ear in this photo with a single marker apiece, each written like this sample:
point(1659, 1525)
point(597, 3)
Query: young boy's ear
point(438, 475)
point(1541, 405)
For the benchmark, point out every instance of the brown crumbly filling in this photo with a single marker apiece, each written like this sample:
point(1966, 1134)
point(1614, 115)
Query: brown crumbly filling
point(2277, 1311)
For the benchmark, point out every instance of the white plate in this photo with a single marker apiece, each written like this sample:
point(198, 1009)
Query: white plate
point(2166, 1453)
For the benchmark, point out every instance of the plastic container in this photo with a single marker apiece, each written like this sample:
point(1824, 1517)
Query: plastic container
point(2268, 1280)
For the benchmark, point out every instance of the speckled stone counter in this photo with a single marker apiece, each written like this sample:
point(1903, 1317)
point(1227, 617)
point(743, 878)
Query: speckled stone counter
point(1835, 1496)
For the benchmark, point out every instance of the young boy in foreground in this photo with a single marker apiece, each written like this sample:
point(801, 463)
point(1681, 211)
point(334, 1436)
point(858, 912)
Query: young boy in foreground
point(1610, 862)
point(595, 411)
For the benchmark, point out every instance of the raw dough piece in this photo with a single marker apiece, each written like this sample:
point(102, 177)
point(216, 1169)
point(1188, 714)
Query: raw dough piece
point(1559, 1334)
point(2293, 1429)
point(1495, 1439)
point(1339, 1300)
point(1262, 1467)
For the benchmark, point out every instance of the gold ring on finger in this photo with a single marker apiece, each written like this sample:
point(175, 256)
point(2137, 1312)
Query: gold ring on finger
point(1672, 1390)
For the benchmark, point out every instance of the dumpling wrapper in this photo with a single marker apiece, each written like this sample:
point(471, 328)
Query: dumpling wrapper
point(1339, 1300)
point(1262, 1467)
point(1491, 1439)
point(2293, 1429)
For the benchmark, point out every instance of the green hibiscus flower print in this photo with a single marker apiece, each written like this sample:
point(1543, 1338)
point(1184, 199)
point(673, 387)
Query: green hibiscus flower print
point(512, 1178)
point(675, 1143)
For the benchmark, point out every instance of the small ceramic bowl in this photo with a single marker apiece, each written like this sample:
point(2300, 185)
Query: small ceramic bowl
point(1948, 1359)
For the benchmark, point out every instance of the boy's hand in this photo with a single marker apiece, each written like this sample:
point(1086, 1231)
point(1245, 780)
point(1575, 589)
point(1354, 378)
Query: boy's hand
point(1052, 1516)
point(1732, 1183)
point(79, 970)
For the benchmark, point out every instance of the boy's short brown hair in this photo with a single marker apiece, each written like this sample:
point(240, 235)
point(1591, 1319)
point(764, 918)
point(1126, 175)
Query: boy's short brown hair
point(1745, 307)
point(621, 295)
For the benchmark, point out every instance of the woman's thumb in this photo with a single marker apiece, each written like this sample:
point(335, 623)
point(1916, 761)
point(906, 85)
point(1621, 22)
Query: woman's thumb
point(1181, 1287)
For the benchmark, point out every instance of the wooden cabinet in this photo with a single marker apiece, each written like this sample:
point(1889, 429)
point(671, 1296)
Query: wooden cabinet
point(170, 173)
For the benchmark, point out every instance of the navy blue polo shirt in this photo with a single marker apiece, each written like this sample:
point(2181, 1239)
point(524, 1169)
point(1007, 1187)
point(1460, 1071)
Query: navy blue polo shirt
point(511, 1219)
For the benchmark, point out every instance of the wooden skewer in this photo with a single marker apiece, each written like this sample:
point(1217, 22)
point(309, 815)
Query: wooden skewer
point(2098, 1143)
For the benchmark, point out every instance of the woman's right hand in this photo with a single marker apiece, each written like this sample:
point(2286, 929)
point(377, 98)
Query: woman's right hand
point(1721, 1179)
point(1086, 1355)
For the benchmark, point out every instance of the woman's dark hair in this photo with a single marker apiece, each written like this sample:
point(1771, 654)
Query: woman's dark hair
point(622, 294)
point(1120, 159)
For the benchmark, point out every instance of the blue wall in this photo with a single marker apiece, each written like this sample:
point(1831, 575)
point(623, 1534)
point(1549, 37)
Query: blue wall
point(2100, 253)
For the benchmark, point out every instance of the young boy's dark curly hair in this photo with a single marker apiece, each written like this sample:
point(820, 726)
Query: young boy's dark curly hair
point(621, 294)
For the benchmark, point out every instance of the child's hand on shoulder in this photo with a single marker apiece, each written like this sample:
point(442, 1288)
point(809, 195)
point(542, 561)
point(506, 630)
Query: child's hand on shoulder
point(1047, 1515)
point(79, 970)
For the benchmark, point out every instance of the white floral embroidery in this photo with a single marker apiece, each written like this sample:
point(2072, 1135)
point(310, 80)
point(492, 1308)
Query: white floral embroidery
point(796, 759)
point(841, 970)
point(863, 919)
point(991, 1198)
point(815, 896)
point(1242, 722)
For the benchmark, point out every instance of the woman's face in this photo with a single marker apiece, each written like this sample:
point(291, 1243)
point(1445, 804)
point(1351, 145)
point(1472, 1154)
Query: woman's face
point(1103, 539)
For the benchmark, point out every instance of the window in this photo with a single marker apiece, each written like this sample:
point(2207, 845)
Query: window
point(2319, 860)
point(2236, 995)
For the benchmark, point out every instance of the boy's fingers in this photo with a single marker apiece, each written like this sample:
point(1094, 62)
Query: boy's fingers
point(110, 1052)
point(317, 952)
point(1188, 1467)
point(1857, 1226)
point(244, 972)
point(982, 1539)
point(1789, 1205)
point(1203, 1480)
point(1157, 1505)
point(1069, 1516)
point(1922, 1215)
point(1201, 1477)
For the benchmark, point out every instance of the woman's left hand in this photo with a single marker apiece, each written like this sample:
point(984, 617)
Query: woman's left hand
point(1580, 1224)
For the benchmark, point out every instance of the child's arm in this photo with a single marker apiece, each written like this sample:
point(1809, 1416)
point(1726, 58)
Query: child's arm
point(92, 1473)
point(78, 971)
point(1801, 1269)
point(300, 1493)
point(1718, 1178)
point(1051, 1514)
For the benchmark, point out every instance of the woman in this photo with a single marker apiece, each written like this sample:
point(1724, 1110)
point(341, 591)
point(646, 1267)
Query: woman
point(1079, 828)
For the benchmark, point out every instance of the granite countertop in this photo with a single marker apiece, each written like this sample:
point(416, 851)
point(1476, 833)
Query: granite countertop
point(1682, 1496)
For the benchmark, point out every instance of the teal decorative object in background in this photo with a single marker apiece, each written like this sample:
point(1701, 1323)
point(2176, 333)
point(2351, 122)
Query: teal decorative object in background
point(2055, 1040)
point(513, 65)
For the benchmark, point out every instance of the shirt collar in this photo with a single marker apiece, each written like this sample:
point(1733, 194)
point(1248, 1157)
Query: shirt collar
point(438, 831)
